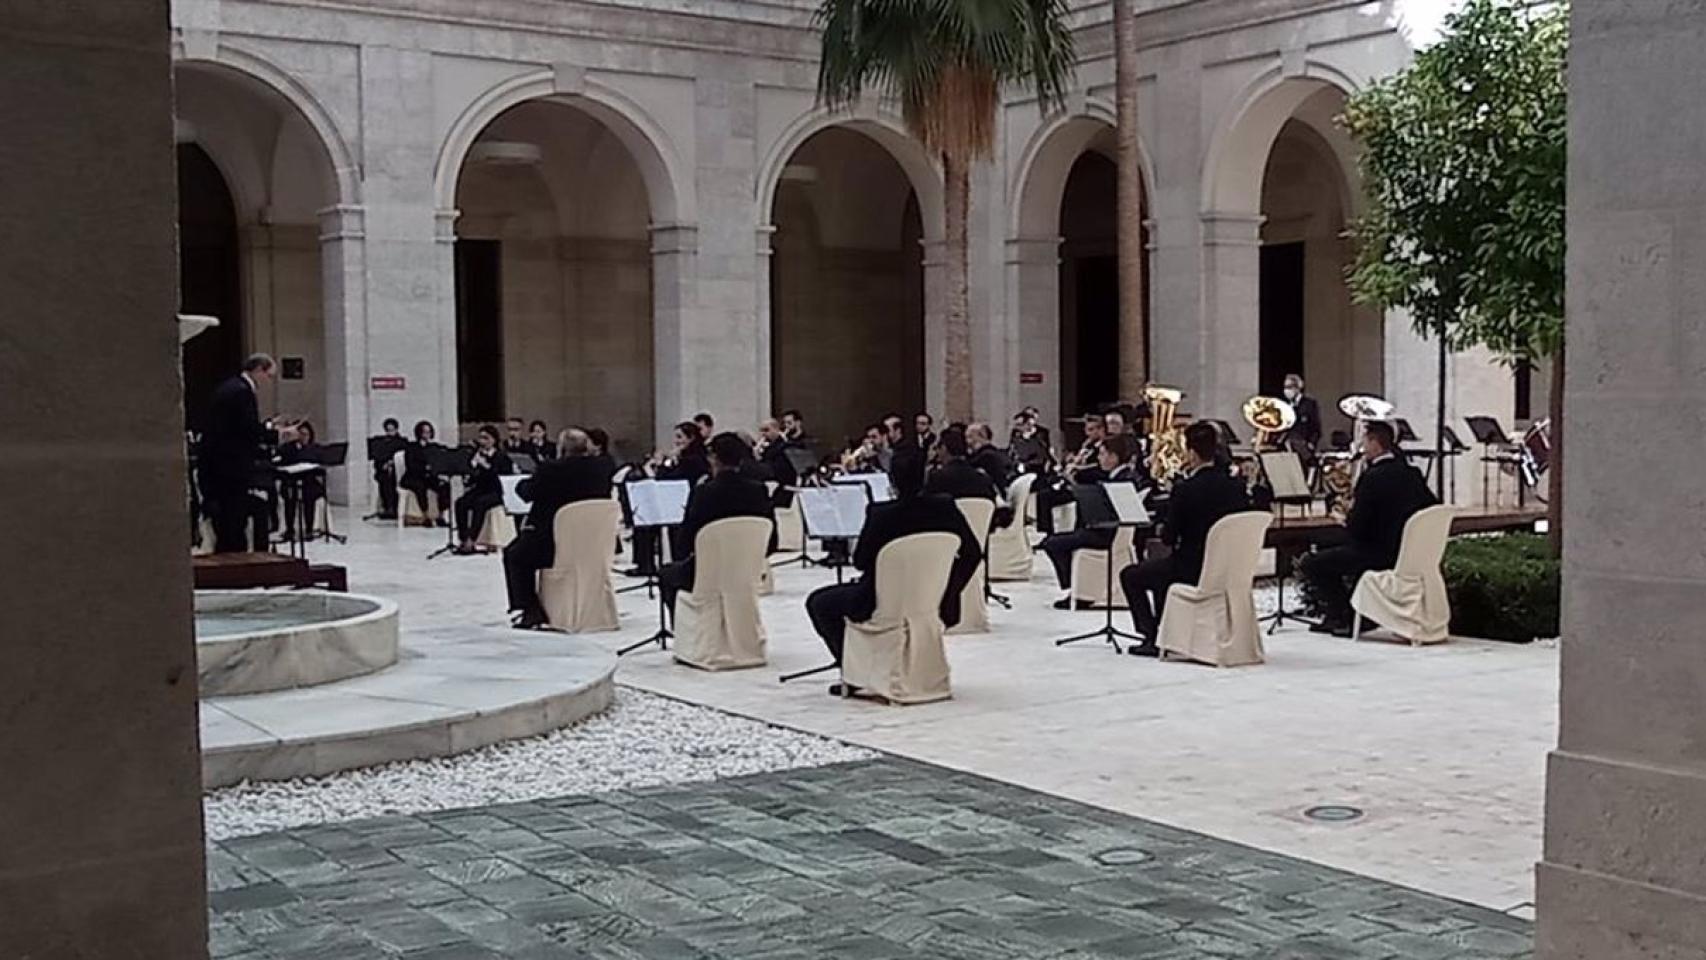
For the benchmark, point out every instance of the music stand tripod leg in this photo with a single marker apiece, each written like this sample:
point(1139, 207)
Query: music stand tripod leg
point(661, 637)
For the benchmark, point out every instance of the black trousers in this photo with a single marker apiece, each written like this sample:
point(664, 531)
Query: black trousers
point(526, 555)
point(1330, 576)
point(313, 490)
point(386, 477)
point(232, 512)
point(419, 485)
point(1145, 585)
point(828, 608)
point(1059, 547)
point(471, 512)
point(1049, 497)
point(646, 547)
point(673, 578)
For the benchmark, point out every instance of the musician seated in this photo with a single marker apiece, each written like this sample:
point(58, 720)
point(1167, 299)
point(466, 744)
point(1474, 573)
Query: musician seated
point(483, 490)
point(418, 477)
point(986, 456)
point(1206, 494)
point(1028, 442)
point(865, 454)
point(689, 462)
point(924, 432)
point(540, 446)
point(1080, 468)
point(311, 487)
point(730, 492)
point(515, 436)
point(1305, 435)
point(598, 443)
point(385, 474)
point(912, 511)
point(772, 457)
point(575, 475)
point(1387, 494)
point(1114, 462)
point(954, 476)
point(706, 424)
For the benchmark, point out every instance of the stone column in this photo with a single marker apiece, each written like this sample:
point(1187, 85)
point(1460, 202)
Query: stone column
point(343, 288)
point(101, 850)
point(1230, 344)
point(675, 369)
point(1033, 292)
point(1624, 875)
point(764, 253)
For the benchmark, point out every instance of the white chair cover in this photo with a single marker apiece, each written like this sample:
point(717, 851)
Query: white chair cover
point(766, 579)
point(575, 590)
point(1010, 547)
point(717, 625)
point(1410, 599)
point(974, 608)
point(496, 531)
point(790, 527)
point(1090, 570)
point(898, 653)
point(1214, 622)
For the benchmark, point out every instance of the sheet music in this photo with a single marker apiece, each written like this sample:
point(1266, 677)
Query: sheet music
point(513, 503)
point(877, 483)
point(1127, 501)
point(294, 469)
point(658, 503)
point(835, 511)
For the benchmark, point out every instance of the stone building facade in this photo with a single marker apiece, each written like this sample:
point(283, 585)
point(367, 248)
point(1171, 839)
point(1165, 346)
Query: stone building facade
point(625, 212)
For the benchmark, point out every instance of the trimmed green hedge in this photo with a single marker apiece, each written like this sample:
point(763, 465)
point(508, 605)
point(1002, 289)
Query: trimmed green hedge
point(1502, 587)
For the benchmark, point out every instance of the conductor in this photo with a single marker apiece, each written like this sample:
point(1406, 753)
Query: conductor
point(577, 475)
point(231, 446)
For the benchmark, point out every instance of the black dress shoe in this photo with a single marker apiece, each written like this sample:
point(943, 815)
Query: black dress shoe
point(1145, 649)
point(1066, 603)
point(1330, 627)
point(530, 620)
point(1342, 630)
point(842, 690)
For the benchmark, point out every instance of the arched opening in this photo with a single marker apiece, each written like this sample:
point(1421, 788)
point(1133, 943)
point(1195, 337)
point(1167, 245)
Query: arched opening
point(847, 286)
point(554, 276)
point(1308, 322)
point(209, 266)
point(1089, 282)
point(253, 178)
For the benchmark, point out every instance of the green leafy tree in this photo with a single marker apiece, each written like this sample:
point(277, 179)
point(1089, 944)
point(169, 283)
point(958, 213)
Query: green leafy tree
point(945, 62)
point(1463, 164)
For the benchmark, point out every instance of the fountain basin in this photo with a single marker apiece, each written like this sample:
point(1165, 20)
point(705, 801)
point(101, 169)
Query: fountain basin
point(250, 641)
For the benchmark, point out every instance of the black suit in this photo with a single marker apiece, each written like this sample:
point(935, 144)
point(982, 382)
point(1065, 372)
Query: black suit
point(831, 607)
point(727, 494)
point(776, 466)
point(997, 465)
point(958, 478)
point(1059, 547)
point(556, 484)
point(231, 446)
point(1196, 505)
point(418, 477)
point(482, 492)
point(1305, 435)
point(1388, 494)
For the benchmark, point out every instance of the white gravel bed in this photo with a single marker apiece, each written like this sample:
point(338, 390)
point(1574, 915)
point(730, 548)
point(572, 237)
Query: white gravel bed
point(643, 740)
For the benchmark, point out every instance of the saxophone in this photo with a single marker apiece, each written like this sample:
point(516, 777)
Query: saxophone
point(1166, 439)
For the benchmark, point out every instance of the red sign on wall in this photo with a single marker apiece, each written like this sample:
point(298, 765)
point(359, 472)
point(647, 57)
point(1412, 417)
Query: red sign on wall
point(1030, 377)
point(387, 383)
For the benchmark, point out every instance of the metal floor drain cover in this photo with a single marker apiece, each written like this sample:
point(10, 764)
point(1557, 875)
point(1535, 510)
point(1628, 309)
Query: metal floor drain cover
point(1333, 813)
point(1122, 856)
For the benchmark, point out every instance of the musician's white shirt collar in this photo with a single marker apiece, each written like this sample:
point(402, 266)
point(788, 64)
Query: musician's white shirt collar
point(1382, 458)
point(250, 381)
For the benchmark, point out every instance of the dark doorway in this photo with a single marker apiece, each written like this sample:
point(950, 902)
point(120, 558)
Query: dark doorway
point(209, 278)
point(479, 331)
point(1097, 289)
point(1281, 315)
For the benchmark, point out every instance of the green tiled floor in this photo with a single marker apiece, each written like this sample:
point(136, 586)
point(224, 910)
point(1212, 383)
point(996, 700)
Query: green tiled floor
point(864, 861)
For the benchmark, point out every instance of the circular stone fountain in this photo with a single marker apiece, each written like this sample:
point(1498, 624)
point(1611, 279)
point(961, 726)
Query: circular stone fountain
point(254, 642)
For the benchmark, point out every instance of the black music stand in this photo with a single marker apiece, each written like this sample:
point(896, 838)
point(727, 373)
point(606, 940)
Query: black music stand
point(1284, 472)
point(1096, 512)
point(836, 559)
point(643, 518)
point(1497, 448)
point(383, 450)
point(452, 463)
point(290, 478)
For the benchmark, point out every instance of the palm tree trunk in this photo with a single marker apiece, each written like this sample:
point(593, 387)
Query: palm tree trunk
point(957, 379)
point(1134, 335)
point(1555, 458)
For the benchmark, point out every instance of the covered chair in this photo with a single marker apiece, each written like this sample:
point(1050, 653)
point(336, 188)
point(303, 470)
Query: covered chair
point(1410, 599)
point(897, 654)
point(409, 512)
point(790, 525)
point(717, 625)
point(974, 608)
point(1009, 553)
point(1214, 622)
point(575, 590)
point(1090, 570)
point(496, 531)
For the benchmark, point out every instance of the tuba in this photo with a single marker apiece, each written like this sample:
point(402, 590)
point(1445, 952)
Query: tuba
point(1270, 416)
point(1166, 439)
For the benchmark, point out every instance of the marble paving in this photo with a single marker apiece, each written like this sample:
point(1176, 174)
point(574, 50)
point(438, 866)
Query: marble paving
point(877, 860)
point(1442, 748)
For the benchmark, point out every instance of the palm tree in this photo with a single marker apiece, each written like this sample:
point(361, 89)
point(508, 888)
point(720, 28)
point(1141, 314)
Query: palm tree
point(945, 62)
point(1134, 338)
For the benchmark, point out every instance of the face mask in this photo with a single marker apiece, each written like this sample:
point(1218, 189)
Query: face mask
point(1291, 393)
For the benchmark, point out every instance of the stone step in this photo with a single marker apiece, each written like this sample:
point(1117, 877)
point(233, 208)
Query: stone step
point(452, 694)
